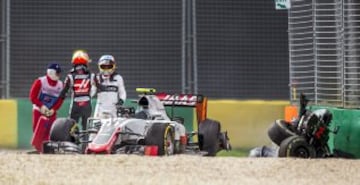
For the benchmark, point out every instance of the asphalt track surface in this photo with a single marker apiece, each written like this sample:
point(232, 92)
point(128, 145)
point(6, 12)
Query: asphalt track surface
point(17, 167)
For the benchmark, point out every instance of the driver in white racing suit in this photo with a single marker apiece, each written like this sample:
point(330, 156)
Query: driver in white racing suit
point(110, 88)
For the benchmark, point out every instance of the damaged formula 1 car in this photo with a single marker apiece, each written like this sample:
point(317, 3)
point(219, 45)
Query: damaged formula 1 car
point(306, 137)
point(145, 130)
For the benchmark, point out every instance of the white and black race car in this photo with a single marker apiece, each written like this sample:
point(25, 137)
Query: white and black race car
point(146, 129)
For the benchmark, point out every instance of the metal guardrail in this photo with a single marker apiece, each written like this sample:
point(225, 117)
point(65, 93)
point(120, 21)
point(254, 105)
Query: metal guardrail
point(301, 49)
point(325, 56)
point(328, 37)
point(351, 12)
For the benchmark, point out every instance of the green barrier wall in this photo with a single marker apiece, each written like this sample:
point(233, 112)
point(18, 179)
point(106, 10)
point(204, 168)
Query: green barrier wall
point(24, 108)
point(24, 123)
point(347, 138)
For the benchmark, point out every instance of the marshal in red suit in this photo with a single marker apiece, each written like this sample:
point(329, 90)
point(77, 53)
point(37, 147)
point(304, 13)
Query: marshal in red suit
point(44, 95)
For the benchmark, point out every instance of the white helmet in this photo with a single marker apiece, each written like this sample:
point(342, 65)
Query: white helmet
point(107, 65)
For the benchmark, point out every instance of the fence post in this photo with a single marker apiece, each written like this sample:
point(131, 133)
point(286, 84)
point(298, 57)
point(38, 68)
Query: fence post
point(183, 47)
point(194, 48)
point(189, 53)
point(5, 49)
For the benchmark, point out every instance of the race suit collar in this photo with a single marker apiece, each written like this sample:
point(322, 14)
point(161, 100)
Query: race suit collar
point(50, 81)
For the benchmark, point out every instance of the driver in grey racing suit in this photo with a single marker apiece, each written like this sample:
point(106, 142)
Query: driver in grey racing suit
point(110, 88)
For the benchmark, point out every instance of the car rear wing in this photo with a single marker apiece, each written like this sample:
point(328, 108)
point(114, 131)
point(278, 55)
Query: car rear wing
point(186, 100)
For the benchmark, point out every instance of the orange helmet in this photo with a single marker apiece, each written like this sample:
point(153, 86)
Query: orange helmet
point(80, 57)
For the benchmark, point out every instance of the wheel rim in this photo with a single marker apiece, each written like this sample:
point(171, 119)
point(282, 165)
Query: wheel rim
point(302, 152)
point(169, 144)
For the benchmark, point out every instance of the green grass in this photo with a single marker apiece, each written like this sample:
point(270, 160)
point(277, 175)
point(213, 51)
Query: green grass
point(238, 152)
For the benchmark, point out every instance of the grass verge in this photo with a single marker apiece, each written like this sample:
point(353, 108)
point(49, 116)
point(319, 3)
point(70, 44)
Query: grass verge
point(237, 152)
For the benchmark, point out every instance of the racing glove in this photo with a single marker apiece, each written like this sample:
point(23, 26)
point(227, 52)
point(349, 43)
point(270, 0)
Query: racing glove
point(50, 112)
point(44, 110)
point(120, 103)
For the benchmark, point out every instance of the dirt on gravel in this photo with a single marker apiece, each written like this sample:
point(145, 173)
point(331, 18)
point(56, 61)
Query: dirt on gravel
point(32, 169)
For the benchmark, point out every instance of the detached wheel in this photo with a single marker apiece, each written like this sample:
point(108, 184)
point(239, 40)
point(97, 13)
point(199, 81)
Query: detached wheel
point(279, 131)
point(70, 148)
point(162, 136)
point(296, 146)
point(63, 147)
point(61, 130)
point(209, 132)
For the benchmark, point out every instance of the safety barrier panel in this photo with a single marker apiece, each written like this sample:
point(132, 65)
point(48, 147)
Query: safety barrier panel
point(8, 123)
point(347, 138)
point(247, 122)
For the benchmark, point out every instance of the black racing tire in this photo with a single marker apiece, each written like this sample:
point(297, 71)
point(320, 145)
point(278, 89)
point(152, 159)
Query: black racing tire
point(60, 147)
point(61, 130)
point(70, 148)
point(162, 136)
point(48, 147)
point(279, 131)
point(208, 135)
point(296, 146)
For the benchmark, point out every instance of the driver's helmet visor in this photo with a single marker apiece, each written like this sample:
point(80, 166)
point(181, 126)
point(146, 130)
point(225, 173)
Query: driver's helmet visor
point(106, 67)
